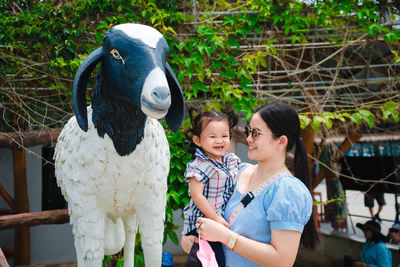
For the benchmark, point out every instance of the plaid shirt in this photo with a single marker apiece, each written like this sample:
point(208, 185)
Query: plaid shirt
point(219, 180)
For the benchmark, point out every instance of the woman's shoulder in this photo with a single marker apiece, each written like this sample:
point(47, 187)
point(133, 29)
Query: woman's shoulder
point(288, 180)
point(290, 204)
point(380, 244)
point(292, 188)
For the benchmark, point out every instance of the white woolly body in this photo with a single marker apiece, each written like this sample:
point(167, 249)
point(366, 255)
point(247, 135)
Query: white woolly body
point(100, 185)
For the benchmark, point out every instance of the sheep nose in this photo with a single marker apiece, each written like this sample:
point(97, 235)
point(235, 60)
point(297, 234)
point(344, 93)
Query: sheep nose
point(160, 93)
point(161, 96)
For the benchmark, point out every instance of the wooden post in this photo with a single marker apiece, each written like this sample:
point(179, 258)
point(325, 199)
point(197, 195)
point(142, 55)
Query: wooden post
point(34, 218)
point(28, 139)
point(330, 174)
point(6, 197)
point(21, 204)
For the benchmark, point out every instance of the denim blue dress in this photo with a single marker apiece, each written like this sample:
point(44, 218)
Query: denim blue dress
point(284, 205)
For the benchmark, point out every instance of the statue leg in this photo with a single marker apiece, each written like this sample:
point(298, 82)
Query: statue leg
point(151, 227)
point(88, 230)
point(130, 224)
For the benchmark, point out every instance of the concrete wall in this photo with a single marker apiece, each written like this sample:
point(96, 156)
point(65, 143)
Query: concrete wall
point(334, 246)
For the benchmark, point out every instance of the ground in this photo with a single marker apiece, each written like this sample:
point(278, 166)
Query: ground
point(360, 214)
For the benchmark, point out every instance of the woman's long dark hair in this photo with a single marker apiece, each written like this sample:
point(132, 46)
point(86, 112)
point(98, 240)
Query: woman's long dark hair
point(282, 119)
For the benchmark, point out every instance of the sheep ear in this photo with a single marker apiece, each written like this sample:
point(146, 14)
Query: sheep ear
point(176, 111)
point(80, 83)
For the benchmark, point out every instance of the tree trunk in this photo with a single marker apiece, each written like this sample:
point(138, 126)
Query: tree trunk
point(332, 173)
point(350, 139)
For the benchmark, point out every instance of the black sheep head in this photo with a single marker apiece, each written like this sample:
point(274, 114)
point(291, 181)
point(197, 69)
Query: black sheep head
point(134, 70)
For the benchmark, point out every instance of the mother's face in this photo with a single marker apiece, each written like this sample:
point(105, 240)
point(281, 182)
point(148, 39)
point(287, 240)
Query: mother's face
point(264, 145)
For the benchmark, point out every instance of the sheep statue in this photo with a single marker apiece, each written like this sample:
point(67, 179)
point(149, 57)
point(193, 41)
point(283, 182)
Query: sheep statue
point(112, 158)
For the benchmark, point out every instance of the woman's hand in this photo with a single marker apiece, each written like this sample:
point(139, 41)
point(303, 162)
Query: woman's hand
point(213, 231)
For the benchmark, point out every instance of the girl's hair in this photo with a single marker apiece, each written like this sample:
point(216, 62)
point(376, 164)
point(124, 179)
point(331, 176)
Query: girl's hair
point(200, 119)
point(284, 120)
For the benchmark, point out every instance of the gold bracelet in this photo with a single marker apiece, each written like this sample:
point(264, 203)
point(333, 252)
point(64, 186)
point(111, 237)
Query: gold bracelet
point(233, 240)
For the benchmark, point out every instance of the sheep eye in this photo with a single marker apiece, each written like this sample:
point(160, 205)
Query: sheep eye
point(116, 55)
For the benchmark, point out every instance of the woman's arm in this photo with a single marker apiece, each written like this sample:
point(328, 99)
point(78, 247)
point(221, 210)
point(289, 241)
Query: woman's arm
point(281, 252)
point(196, 192)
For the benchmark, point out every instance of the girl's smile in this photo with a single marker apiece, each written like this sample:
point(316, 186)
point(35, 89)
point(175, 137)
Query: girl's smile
point(214, 139)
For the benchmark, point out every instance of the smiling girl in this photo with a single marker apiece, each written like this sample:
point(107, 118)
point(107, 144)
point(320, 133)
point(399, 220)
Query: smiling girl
point(212, 174)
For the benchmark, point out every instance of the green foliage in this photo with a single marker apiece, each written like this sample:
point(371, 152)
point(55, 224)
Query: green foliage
point(358, 116)
point(390, 109)
point(340, 198)
point(177, 196)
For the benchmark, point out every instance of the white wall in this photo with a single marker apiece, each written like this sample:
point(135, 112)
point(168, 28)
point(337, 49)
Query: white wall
point(49, 243)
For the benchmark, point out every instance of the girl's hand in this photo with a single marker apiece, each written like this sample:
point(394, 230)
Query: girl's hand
point(222, 221)
point(213, 231)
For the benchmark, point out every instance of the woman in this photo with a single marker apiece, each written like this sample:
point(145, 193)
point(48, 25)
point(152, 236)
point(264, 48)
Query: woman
point(374, 253)
point(269, 229)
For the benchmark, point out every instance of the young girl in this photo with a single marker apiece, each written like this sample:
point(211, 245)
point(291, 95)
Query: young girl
point(211, 175)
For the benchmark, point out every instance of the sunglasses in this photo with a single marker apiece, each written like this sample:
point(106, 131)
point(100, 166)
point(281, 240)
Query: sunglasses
point(254, 132)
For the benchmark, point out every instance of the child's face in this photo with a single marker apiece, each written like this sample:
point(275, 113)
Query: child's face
point(214, 139)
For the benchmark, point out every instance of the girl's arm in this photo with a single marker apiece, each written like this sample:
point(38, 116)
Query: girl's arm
point(281, 252)
point(196, 192)
point(187, 242)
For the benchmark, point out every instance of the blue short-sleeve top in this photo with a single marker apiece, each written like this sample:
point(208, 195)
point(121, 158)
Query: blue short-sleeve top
point(285, 204)
point(376, 254)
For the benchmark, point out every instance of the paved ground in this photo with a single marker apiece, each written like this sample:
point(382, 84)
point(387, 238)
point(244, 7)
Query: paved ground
point(360, 213)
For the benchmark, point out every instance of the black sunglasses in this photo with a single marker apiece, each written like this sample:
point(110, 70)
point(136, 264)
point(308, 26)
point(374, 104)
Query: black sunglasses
point(254, 132)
